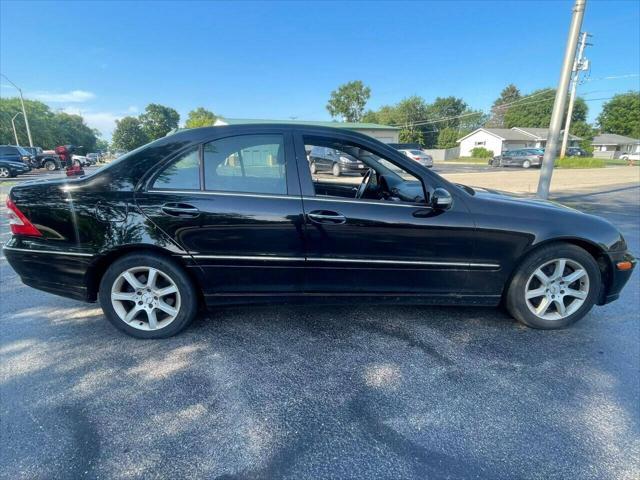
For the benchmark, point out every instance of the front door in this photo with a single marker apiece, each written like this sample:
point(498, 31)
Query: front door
point(234, 205)
point(386, 241)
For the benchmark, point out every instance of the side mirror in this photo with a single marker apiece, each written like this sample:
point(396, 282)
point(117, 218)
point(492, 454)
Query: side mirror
point(441, 199)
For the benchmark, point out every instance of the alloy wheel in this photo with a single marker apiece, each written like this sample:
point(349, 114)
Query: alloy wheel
point(145, 298)
point(4, 172)
point(526, 164)
point(557, 289)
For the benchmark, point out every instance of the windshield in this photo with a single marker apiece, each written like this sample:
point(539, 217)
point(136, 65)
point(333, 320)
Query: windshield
point(22, 151)
point(415, 152)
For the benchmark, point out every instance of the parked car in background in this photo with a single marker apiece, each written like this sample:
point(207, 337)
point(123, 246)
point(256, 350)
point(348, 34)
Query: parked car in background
point(405, 146)
point(81, 159)
point(334, 161)
point(12, 168)
point(93, 158)
point(419, 156)
point(44, 158)
point(525, 158)
point(577, 152)
point(16, 153)
point(232, 214)
point(13, 161)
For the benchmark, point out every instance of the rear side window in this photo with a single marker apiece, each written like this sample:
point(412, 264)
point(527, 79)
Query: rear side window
point(246, 163)
point(182, 174)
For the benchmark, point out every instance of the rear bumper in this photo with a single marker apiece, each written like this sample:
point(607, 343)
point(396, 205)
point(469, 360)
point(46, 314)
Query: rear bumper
point(60, 273)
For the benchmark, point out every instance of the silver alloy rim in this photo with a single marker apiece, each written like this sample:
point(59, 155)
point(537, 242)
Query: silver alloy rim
point(526, 164)
point(557, 289)
point(145, 298)
point(4, 172)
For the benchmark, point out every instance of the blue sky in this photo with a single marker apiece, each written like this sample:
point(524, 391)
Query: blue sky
point(282, 59)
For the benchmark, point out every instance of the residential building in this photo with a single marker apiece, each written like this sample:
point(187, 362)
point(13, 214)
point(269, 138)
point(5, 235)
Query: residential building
point(612, 145)
point(500, 139)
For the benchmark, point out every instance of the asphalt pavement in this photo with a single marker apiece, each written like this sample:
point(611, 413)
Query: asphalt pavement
point(323, 392)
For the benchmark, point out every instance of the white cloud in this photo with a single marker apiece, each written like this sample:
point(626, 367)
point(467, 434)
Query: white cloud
point(105, 122)
point(74, 96)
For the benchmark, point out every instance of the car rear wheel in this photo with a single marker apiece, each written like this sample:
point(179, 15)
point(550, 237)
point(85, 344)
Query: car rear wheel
point(526, 164)
point(147, 296)
point(554, 287)
point(336, 170)
point(5, 172)
point(50, 165)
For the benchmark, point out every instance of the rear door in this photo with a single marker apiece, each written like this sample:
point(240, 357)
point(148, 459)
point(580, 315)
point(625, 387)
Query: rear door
point(234, 205)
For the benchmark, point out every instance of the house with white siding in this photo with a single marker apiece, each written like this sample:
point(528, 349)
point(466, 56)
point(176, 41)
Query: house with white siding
point(500, 139)
point(611, 145)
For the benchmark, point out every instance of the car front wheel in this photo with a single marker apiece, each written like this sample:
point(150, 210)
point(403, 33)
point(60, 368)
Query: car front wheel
point(336, 170)
point(50, 165)
point(554, 287)
point(526, 164)
point(147, 296)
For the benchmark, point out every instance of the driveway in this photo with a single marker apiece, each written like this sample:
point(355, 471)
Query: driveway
point(323, 392)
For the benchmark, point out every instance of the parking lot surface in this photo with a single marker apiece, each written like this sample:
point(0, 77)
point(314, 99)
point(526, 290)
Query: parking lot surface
point(306, 392)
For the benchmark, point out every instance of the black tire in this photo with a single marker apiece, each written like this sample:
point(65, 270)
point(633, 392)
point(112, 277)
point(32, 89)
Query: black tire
point(515, 297)
point(186, 288)
point(335, 169)
point(50, 165)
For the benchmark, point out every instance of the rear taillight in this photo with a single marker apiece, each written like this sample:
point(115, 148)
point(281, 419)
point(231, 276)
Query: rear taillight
point(20, 225)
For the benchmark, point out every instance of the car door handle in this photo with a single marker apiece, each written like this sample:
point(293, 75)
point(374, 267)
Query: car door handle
point(180, 210)
point(325, 216)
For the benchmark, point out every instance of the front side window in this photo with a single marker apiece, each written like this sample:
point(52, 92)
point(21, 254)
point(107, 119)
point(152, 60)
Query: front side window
point(181, 174)
point(246, 163)
point(359, 174)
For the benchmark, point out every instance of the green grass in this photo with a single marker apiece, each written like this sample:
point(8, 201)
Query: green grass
point(618, 161)
point(580, 162)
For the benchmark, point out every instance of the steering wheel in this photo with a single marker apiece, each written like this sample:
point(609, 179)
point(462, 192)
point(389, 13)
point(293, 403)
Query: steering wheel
point(366, 180)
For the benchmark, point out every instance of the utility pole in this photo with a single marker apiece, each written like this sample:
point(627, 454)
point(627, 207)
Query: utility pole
point(561, 99)
point(24, 112)
point(13, 124)
point(579, 65)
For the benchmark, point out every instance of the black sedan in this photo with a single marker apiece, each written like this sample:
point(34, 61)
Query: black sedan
point(232, 214)
point(12, 168)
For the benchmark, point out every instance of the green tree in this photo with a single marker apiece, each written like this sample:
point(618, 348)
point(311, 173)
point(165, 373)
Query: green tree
point(128, 134)
point(509, 94)
point(411, 135)
point(534, 110)
point(71, 130)
point(40, 120)
point(348, 101)
point(200, 117)
point(584, 131)
point(48, 129)
point(158, 120)
point(447, 138)
point(621, 115)
point(102, 145)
